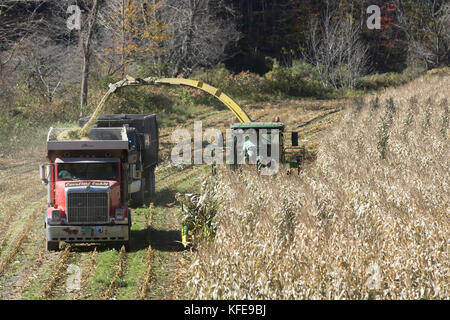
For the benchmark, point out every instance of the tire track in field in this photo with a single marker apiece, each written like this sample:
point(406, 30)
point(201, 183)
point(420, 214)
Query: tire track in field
point(15, 186)
point(58, 274)
point(30, 273)
point(164, 180)
point(18, 169)
point(148, 258)
point(117, 275)
point(164, 276)
point(181, 177)
point(168, 171)
point(177, 282)
point(18, 174)
point(202, 175)
point(167, 183)
point(85, 276)
point(19, 241)
point(8, 165)
point(12, 216)
point(28, 264)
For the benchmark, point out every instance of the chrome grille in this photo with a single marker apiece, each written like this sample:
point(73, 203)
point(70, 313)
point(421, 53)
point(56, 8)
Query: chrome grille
point(87, 207)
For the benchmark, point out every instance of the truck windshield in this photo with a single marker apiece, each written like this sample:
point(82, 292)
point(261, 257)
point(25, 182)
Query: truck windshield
point(87, 171)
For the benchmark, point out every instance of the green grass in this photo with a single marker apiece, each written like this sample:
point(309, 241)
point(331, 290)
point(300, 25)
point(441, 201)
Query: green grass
point(129, 284)
point(17, 223)
point(193, 185)
point(105, 269)
point(33, 291)
point(159, 258)
point(7, 204)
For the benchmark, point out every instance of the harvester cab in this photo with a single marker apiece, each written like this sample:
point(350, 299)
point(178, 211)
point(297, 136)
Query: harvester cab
point(257, 143)
point(265, 144)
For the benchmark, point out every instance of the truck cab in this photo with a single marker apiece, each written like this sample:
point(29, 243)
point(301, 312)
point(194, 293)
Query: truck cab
point(87, 202)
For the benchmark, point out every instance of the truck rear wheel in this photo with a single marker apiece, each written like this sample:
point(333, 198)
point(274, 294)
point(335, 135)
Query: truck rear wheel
point(52, 246)
point(143, 197)
point(139, 197)
point(151, 186)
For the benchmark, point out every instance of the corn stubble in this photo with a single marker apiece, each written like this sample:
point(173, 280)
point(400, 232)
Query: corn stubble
point(368, 220)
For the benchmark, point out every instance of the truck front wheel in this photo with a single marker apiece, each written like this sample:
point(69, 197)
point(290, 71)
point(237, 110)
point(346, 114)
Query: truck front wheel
point(52, 245)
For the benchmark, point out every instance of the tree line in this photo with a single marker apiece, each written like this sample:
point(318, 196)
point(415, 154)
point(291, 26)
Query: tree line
point(410, 30)
point(49, 45)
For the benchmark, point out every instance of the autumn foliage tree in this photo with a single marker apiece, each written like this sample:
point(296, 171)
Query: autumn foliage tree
point(388, 45)
point(133, 31)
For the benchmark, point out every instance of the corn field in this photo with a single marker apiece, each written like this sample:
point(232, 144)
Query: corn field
point(368, 220)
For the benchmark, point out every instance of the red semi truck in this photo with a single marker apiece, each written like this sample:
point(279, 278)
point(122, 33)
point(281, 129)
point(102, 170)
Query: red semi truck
point(91, 182)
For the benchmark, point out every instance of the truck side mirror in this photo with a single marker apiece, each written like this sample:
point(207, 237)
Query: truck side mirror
point(42, 173)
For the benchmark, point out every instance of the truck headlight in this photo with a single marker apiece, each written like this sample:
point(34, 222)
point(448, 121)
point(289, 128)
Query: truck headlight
point(56, 215)
point(120, 213)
